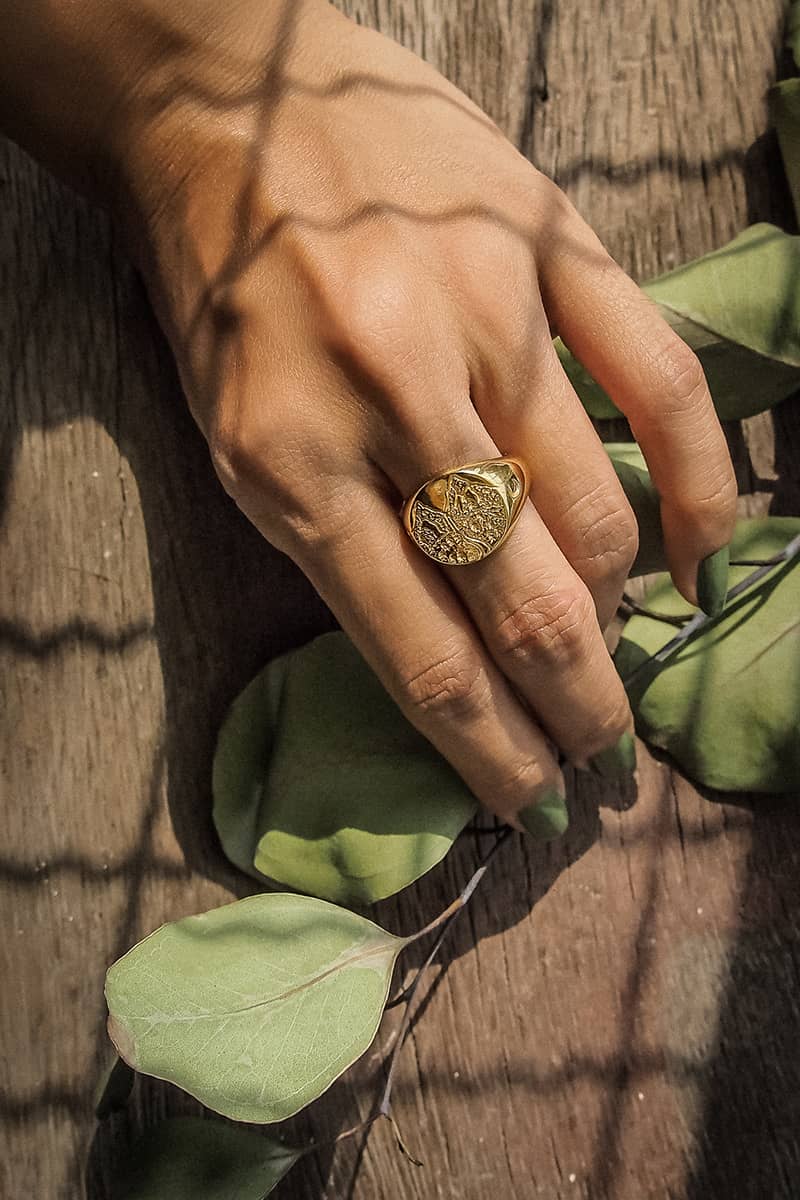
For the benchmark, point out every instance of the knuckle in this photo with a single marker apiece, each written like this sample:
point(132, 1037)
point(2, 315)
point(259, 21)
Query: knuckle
point(553, 625)
point(487, 257)
point(711, 504)
point(452, 684)
point(614, 542)
point(614, 723)
point(375, 311)
point(719, 511)
point(233, 457)
point(552, 213)
point(518, 783)
point(686, 387)
point(243, 453)
point(374, 338)
point(264, 464)
point(235, 306)
point(717, 499)
point(494, 275)
point(608, 534)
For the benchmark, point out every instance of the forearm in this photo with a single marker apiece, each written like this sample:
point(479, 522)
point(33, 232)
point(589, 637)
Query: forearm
point(60, 83)
point(84, 82)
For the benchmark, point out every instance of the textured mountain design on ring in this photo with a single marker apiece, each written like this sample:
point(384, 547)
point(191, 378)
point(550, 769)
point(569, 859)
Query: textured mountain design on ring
point(460, 517)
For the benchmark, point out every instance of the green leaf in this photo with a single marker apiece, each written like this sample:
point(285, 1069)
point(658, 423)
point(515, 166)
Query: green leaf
point(188, 1158)
point(784, 112)
point(739, 310)
point(596, 401)
point(114, 1090)
point(321, 784)
point(634, 476)
point(793, 30)
point(726, 705)
point(256, 1007)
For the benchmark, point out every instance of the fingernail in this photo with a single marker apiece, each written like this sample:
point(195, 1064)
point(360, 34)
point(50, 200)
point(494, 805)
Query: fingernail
point(616, 760)
point(712, 582)
point(548, 817)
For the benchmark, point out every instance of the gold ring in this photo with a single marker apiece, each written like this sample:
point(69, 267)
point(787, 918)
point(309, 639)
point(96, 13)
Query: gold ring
point(465, 513)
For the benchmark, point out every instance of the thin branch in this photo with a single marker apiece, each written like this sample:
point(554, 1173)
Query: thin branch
point(749, 562)
point(444, 923)
point(454, 909)
point(447, 920)
point(632, 607)
point(790, 550)
point(407, 993)
point(477, 830)
point(400, 998)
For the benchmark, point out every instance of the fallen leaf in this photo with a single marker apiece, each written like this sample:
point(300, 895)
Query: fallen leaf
point(322, 785)
point(188, 1158)
point(739, 310)
point(726, 704)
point(256, 1007)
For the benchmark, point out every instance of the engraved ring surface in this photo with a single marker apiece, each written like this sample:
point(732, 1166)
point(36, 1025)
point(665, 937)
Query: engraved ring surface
point(466, 513)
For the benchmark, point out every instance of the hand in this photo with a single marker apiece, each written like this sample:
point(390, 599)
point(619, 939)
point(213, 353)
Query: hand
point(360, 278)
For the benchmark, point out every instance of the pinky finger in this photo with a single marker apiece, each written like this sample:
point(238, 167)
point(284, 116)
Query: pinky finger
point(657, 381)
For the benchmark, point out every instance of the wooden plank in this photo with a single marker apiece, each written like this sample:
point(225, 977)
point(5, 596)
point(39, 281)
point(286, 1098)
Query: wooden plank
point(618, 1014)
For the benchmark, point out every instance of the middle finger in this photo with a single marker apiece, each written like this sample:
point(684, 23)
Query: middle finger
point(534, 612)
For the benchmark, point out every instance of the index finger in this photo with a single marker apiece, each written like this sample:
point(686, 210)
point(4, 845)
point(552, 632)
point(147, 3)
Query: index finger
point(656, 380)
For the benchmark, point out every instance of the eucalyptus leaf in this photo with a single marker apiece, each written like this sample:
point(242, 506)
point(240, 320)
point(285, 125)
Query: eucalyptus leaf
point(114, 1090)
point(632, 472)
point(726, 704)
point(255, 1008)
point(188, 1158)
point(784, 111)
point(321, 784)
point(793, 30)
point(738, 308)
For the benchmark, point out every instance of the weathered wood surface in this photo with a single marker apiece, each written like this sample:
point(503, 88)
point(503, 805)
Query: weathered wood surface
point(619, 1016)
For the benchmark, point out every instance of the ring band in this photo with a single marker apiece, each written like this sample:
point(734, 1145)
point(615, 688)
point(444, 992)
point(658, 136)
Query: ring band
point(466, 513)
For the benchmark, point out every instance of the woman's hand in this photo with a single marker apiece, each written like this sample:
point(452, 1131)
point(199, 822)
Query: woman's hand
point(360, 278)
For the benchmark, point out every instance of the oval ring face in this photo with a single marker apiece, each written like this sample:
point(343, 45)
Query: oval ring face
point(465, 513)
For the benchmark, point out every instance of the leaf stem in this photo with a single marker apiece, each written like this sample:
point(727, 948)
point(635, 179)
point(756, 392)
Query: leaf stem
point(790, 550)
point(639, 609)
point(464, 898)
point(748, 562)
point(444, 923)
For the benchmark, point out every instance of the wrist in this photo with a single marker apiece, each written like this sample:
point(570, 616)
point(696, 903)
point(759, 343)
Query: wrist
point(103, 93)
point(58, 91)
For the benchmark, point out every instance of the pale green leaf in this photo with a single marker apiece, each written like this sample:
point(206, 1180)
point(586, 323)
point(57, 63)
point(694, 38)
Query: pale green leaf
point(256, 1007)
point(634, 476)
point(746, 292)
point(321, 784)
point(188, 1158)
point(593, 398)
point(629, 453)
point(739, 310)
point(726, 704)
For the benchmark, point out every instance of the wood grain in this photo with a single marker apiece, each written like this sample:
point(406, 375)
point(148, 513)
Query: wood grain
point(618, 1016)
